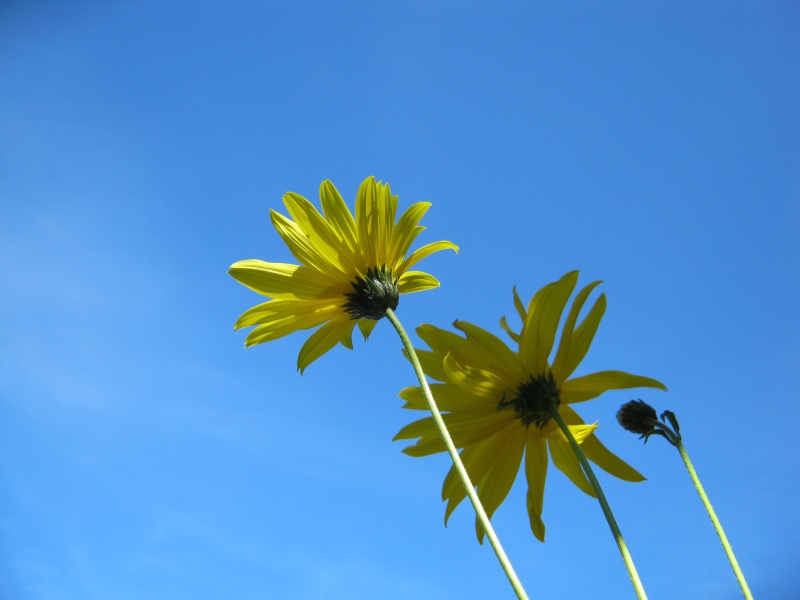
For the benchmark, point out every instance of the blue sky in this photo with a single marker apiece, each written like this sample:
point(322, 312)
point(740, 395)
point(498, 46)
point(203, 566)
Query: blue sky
point(146, 454)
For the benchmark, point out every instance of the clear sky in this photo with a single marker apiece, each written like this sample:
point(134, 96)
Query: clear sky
point(144, 453)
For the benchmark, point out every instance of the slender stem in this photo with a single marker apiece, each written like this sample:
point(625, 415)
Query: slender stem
point(459, 466)
point(717, 525)
point(612, 523)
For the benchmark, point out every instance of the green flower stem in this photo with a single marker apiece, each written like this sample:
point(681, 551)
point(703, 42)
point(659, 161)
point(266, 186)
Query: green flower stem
point(459, 466)
point(717, 525)
point(623, 548)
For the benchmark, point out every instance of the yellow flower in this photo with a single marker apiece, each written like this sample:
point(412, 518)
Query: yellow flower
point(498, 400)
point(351, 270)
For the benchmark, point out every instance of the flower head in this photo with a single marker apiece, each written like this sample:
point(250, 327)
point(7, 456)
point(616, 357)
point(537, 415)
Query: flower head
point(499, 401)
point(351, 269)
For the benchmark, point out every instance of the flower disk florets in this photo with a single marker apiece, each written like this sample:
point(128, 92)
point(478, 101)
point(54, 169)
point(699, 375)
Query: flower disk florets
point(536, 400)
point(372, 295)
point(637, 416)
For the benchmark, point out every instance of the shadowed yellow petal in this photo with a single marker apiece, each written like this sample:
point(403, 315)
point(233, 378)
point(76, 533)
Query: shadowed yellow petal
point(596, 452)
point(492, 352)
point(466, 428)
point(541, 322)
point(478, 460)
point(535, 473)
point(448, 397)
point(574, 344)
point(565, 461)
point(498, 481)
point(479, 382)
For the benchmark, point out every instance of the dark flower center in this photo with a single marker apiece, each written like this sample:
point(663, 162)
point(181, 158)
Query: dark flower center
point(535, 401)
point(372, 295)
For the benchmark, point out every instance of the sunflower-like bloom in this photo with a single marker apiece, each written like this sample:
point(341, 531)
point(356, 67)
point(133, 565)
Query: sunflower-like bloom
point(499, 401)
point(351, 270)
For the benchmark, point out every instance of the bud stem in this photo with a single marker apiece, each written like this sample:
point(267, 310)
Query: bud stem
point(601, 498)
point(715, 521)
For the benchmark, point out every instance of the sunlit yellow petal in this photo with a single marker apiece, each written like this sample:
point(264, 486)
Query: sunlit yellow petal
point(416, 281)
point(365, 326)
point(338, 215)
point(424, 252)
point(277, 310)
point(279, 280)
point(323, 339)
point(591, 386)
point(320, 233)
point(405, 232)
point(273, 328)
point(303, 250)
point(579, 432)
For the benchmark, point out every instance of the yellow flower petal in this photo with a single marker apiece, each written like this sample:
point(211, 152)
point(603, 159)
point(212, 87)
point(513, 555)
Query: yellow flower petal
point(277, 310)
point(406, 231)
point(598, 453)
point(498, 481)
point(492, 352)
point(323, 339)
point(565, 461)
point(303, 250)
point(277, 327)
point(337, 214)
point(424, 252)
point(479, 382)
point(320, 233)
point(416, 281)
point(465, 429)
point(365, 326)
point(541, 323)
point(591, 386)
point(535, 474)
point(575, 343)
point(580, 432)
point(279, 280)
point(448, 397)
